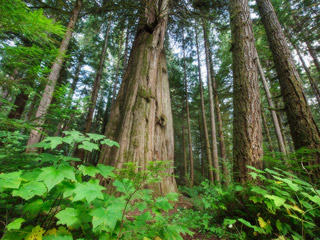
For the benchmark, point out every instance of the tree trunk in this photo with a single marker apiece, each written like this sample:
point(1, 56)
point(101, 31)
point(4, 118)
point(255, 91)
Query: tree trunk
point(247, 132)
point(203, 111)
point(141, 118)
point(313, 83)
point(219, 120)
point(125, 55)
point(215, 158)
point(313, 55)
point(96, 84)
point(35, 134)
point(275, 120)
point(117, 71)
point(184, 155)
point(20, 104)
point(267, 133)
point(188, 118)
point(76, 77)
point(304, 130)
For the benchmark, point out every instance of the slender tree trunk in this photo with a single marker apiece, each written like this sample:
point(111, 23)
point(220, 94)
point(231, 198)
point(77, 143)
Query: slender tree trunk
point(247, 132)
point(267, 133)
point(219, 120)
point(117, 72)
point(31, 108)
point(76, 77)
point(215, 158)
point(141, 118)
point(313, 83)
point(20, 104)
point(184, 155)
point(275, 120)
point(203, 111)
point(188, 118)
point(313, 55)
point(97, 81)
point(304, 130)
point(35, 134)
point(201, 151)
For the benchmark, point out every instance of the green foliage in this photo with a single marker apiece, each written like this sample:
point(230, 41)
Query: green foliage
point(39, 203)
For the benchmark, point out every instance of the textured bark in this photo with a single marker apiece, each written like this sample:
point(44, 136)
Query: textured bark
point(20, 103)
point(219, 121)
point(247, 132)
point(265, 125)
point(188, 118)
point(215, 158)
point(203, 111)
point(304, 130)
point(45, 101)
point(141, 118)
point(97, 81)
point(125, 55)
point(275, 120)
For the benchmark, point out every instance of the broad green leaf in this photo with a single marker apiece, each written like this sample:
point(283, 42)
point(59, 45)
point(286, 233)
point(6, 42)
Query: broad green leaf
point(259, 190)
point(227, 222)
point(95, 137)
point(106, 171)
point(76, 135)
point(99, 217)
point(125, 186)
point(16, 224)
point(68, 216)
point(110, 143)
point(29, 190)
point(255, 169)
point(10, 180)
point(254, 175)
point(54, 237)
point(262, 223)
point(89, 146)
point(88, 190)
point(163, 204)
point(33, 208)
point(278, 201)
point(52, 176)
point(292, 185)
point(90, 171)
point(53, 141)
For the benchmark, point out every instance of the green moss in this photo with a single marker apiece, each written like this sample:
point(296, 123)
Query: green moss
point(162, 120)
point(146, 94)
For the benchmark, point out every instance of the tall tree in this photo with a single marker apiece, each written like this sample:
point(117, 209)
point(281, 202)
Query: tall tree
point(188, 116)
point(274, 116)
point(215, 158)
point(45, 101)
point(203, 111)
point(303, 128)
point(247, 132)
point(141, 118)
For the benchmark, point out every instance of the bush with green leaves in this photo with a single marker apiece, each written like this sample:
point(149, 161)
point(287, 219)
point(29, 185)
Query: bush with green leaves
point(60, 201)
point(288, 207)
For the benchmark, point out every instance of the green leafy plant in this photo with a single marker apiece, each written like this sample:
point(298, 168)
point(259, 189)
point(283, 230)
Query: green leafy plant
point(60, 200)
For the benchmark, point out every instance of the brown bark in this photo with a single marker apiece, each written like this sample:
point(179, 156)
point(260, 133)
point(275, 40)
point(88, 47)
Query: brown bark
point(188, 118)
point(247, 132)
point(304, 130)
point(275, 119)
point(184, 155)
point(141, 118)
point(125, 55)
point(35, 134)
point(97, 81)
point(203, 111)
point(20, 104)
point(219, 121)
point(265, 125)
point(215, 158)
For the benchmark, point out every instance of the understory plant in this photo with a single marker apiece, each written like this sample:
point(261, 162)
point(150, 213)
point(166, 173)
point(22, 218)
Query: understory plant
point(58, 199)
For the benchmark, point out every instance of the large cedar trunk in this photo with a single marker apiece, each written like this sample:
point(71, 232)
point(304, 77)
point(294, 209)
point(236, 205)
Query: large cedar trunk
point(303, 128)
point(247, 132)
point(141, 119)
